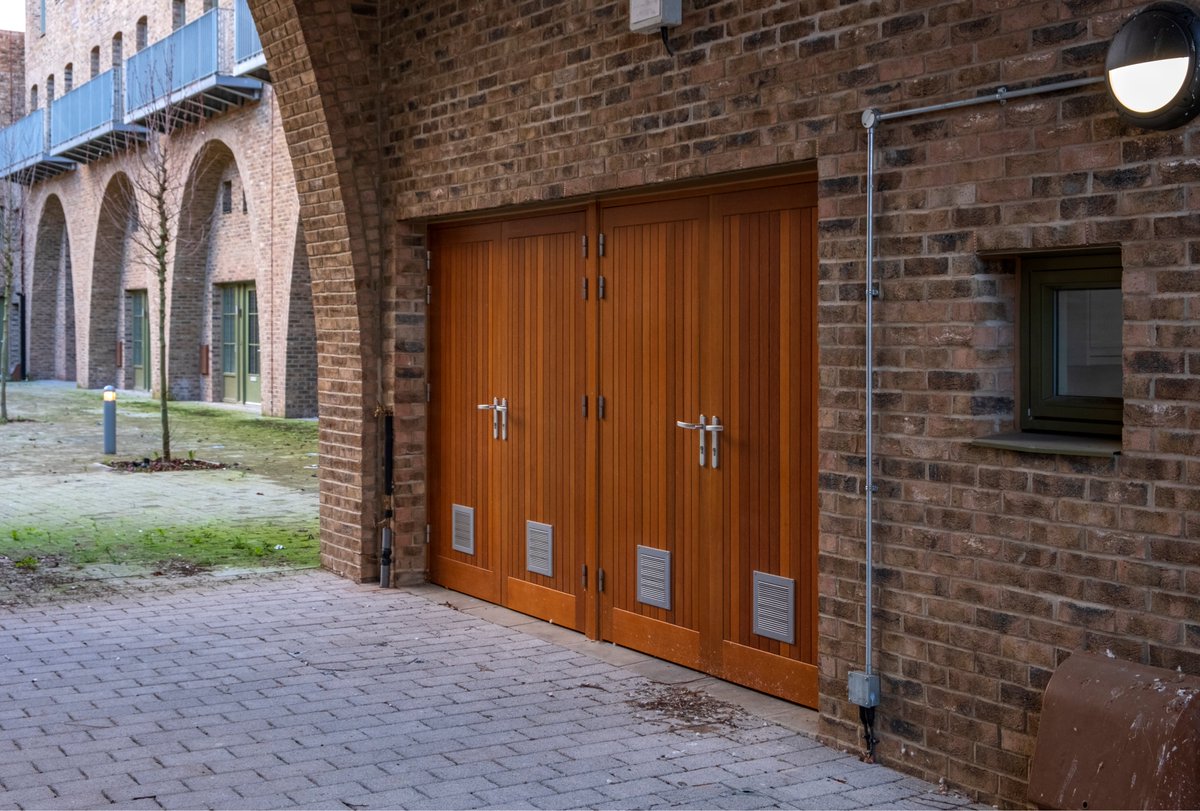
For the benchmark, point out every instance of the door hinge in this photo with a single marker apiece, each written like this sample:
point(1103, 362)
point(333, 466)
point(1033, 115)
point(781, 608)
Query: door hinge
point(428, 393)
point(600, 580)
point(585, 246)
point(428, 294)
point(428, 532)
point(583, 406)
point(428, 260)
point(600, 244)
point(585, 286)
point(585, 577)
point(600, 292)
point(600, 407)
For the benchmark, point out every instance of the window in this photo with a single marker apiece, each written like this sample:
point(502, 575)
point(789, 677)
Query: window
point(227, 197)
point(50, 89)
point(1071, 317)
point(209, 5)
point(95, 61)
point(42, 18)
point(178, 13)
point(142, 34)
point(33, 98)
point(68, 78)
point(118, 50)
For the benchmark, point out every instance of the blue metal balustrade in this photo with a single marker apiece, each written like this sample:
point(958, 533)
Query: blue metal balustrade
point(89, 122)
point(189, 73)
point(247, 47)
point(24, 151)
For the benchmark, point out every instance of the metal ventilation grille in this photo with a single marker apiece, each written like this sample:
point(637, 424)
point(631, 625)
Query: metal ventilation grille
point(463, 524)
point(654, 577)
point(539, 548)
point(775, 607)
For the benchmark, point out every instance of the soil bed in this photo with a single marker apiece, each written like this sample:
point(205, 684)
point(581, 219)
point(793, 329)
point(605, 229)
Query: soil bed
point(148, 465)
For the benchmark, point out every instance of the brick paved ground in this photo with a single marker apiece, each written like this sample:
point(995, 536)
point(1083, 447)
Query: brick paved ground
point(310, 691)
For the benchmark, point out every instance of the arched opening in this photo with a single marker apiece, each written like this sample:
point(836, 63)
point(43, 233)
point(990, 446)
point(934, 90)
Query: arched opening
point(142, 34)
point(216, 306)
point(95, 61)
point(51, 312)
point(300, 392)
point(109, 355)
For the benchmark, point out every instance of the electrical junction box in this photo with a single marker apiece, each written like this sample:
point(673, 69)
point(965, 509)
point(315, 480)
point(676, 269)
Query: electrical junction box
point(863, 689)
point(651, 15)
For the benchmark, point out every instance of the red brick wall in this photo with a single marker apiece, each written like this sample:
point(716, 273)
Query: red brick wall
point(992, 565)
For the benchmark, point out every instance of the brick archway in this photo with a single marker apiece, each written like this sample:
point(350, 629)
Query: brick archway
point(323, 66)
point(51, 315)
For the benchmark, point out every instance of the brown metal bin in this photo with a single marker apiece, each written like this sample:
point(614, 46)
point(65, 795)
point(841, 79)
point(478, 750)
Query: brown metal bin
point(1116, 734)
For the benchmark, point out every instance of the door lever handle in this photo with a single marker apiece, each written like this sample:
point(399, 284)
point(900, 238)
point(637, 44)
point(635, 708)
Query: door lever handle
point(493, 407)
point(699, 427)
point(715, 429)
point(502, 410)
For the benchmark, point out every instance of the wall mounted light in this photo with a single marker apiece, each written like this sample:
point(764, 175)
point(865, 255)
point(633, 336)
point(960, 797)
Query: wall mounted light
point(1152, 70)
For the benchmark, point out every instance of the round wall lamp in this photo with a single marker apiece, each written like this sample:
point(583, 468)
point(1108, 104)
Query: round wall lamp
point(1152, 67)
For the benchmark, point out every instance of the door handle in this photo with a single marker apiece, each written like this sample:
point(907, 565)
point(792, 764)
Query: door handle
point(492, 407)
point(502, 410)
point(715, 429)
point(698, 427)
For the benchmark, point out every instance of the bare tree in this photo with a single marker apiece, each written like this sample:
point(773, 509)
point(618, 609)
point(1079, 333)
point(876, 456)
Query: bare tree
point(11, 232)
point(162, 225)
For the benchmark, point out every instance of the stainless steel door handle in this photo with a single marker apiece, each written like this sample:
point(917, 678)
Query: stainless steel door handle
point(502, 410)
point(715, 429)
point(696, 426)
point(492, 407)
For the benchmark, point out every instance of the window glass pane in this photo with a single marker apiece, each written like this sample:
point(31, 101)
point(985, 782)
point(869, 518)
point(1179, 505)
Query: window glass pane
point(1087, 343)
point(252, 331)
point(228, 331)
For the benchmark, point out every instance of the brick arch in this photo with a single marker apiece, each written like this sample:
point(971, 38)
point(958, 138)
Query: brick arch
point(301, 362)
point(115, 218)
point(323, 63)
point(191, 269)
point(52, 297)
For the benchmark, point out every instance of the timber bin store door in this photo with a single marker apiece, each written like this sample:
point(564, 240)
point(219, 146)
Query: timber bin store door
point(507, 438)
point(623, 439)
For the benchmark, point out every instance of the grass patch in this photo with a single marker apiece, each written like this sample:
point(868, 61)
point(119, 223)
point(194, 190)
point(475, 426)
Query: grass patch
point(246, 544)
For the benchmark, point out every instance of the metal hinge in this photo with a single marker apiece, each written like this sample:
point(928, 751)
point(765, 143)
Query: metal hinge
point(600, 245)
point(583, 406)
point(585, 246)
point(428, 532)
point(600, 292)
point(428, 393)
point(600, 580)
point(585, 286)
point(585, 577)
point(428, 294)
point(600, 407)
point(428, 260)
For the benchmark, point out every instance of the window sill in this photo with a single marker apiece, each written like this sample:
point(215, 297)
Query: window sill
point(1063, 444)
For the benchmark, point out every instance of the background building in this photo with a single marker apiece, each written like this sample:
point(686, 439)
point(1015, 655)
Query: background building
point(99, 76)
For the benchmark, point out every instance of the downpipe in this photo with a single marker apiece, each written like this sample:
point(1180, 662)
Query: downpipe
point(863, 688)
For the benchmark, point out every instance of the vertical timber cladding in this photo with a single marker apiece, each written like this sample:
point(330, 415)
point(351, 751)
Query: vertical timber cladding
point(507, 436)
point(701, 494)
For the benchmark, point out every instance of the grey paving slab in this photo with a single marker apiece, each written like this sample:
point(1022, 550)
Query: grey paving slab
point(308, 691)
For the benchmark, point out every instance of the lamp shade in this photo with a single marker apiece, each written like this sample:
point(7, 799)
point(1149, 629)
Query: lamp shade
point(1152, 67)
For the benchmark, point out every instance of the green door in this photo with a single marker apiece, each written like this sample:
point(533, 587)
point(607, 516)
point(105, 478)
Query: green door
point(239, 344)
point(140, 329)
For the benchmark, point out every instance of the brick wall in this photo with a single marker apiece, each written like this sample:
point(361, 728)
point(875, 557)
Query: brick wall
point(104, 260)
point(992, 565)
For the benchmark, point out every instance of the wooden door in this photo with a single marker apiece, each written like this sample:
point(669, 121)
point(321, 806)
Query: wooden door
point(762, 353)
point(508, 438)
point(656, 548)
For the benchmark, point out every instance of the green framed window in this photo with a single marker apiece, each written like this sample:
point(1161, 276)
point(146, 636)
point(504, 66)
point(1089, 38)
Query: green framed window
point(1071, 319)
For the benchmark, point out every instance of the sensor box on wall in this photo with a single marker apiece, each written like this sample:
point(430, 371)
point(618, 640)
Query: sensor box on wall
point(651, 15)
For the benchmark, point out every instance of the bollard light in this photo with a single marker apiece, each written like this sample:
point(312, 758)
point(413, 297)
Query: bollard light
point(110, 420)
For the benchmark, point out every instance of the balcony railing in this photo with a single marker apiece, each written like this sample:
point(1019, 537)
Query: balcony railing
point(247, 47)
point(193, 64)
point(89, 122)
point(24, 150)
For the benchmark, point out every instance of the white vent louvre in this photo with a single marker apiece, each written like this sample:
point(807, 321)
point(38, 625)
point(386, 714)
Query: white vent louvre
point(539, 548)
point(654, 577)
point(775, 607)
point(463, 529)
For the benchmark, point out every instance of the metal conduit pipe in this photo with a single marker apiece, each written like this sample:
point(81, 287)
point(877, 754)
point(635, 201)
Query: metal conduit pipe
point(863, 687)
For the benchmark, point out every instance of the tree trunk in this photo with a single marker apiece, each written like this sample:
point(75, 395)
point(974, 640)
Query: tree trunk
point(162, 365)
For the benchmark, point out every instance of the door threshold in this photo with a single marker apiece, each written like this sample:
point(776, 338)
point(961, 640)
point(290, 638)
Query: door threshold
point(769, 708)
